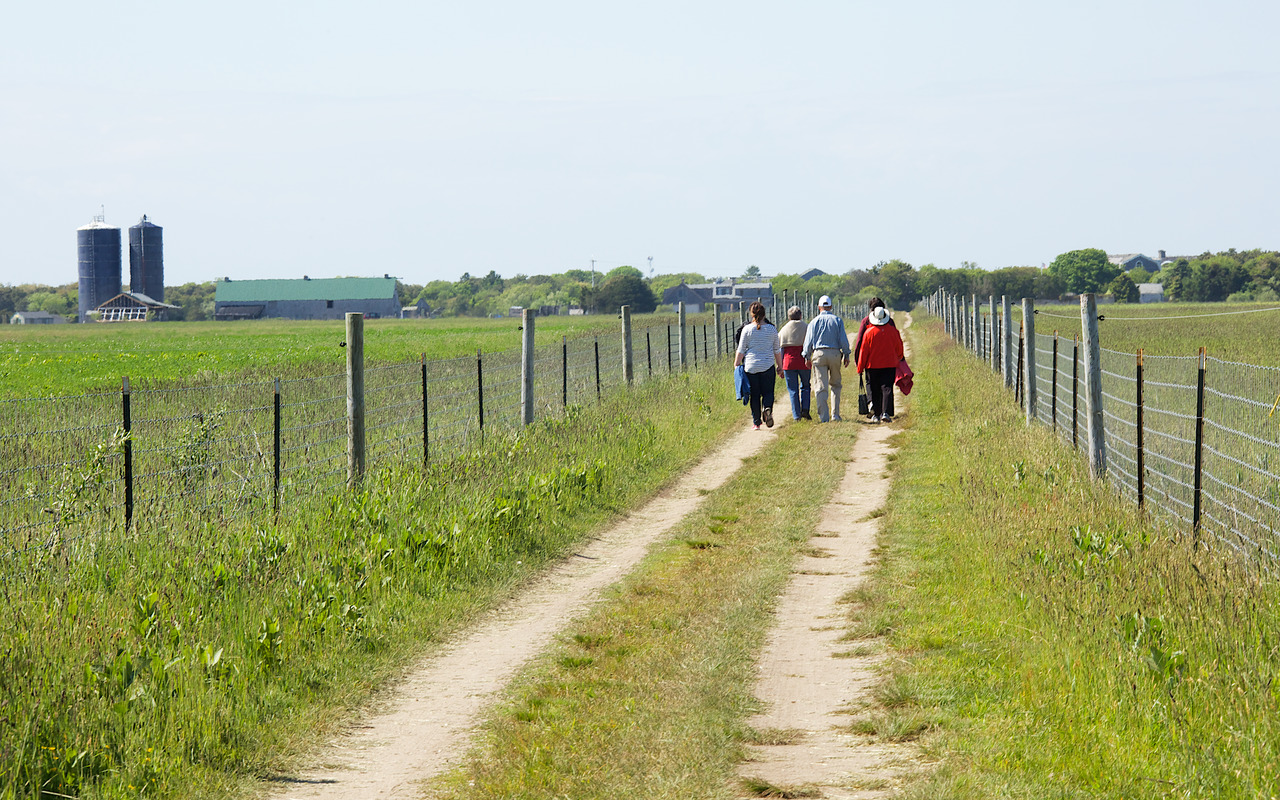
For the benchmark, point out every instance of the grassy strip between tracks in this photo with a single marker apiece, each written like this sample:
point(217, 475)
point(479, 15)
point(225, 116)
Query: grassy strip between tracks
point(1050, 641)
point(179, 660)
point(648, 694)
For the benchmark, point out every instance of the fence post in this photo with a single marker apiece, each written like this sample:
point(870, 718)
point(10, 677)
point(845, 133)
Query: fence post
point(1053, 405)
point(1019, 385)
point(127, 419)
point(694, 328)
point(719, 327)
point(564, 372)
point(704, 341)
point(1006, 349)
point(975, 343)
point(597, 341)
point(480, 393)
point(1195, 508)
point(684, 354)
point(648, 352)
point(526, 365)
point(1142, 460)
point(628, 366)
point(1075, 393)
point(668, 349)
point(966, 321)
point(1029, 349)
point(1093, 386)
point(993, 340)
point(355, 399)
point(275, 452)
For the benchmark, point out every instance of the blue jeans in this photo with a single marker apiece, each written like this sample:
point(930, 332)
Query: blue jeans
point(798, 387)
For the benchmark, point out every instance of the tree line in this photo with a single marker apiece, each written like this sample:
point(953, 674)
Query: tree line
point(1251, 275)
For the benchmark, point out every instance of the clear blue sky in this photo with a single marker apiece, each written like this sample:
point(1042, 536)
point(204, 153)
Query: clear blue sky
point(428, 139)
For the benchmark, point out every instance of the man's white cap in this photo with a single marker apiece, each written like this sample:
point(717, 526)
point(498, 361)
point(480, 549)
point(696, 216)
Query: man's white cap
point(824, 302)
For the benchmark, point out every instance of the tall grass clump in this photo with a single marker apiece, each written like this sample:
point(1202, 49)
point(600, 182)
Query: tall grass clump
point(1060, 643)
point(186, 659)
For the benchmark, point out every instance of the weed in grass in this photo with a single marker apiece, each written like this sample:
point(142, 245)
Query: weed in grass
point(763, 788)
point(701, 544)
point(576, 662)
point(816, 552)
point(861, 651)
point(589, 641)
point(704, 492)
point(724, 517)
point(772, 737)
point(716, 529)
point(877, 514)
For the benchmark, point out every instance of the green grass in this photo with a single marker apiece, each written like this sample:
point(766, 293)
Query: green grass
point(1245, 337)
point(72, 359)
point(1048, 640)
point(661, 710)
point(182, 659)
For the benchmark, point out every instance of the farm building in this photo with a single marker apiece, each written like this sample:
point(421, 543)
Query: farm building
point(1150, 293)
point(36, 318)
point(131, 307)
point(307, 298)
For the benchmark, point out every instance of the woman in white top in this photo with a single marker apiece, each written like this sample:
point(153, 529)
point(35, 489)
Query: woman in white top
point(760, 353)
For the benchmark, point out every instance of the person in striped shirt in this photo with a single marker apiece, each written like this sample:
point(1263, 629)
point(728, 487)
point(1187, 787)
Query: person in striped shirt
point(760, 354)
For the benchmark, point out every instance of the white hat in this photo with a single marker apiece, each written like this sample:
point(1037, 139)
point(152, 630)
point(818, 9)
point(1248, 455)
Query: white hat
point(878, 316)
point(824, 301)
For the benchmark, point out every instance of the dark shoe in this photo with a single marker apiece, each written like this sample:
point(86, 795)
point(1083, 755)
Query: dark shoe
point(767, 413)
point(805, 415)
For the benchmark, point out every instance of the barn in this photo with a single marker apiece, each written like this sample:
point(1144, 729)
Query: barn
point(305, 298)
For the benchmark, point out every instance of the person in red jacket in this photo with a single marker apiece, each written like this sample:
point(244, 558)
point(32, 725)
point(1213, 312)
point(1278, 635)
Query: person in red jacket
point(878, 357)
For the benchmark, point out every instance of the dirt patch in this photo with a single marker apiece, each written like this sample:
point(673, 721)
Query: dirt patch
point(810, 678)
point(428, 720)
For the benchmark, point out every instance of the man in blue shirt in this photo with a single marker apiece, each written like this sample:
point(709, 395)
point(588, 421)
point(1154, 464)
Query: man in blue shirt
point(826, 346)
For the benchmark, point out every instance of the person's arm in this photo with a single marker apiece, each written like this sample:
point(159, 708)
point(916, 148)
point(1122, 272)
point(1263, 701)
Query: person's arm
point(777, 351)
point(806, 349)
point(844, 341)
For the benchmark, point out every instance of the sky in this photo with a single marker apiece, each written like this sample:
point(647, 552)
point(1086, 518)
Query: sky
point(426, 139)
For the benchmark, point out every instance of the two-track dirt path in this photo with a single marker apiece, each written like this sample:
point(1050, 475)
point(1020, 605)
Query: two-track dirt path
point(426, 723)
point(808, 679)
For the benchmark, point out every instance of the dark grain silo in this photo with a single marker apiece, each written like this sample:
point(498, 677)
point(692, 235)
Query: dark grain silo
point(99, 256)
point(146, 259)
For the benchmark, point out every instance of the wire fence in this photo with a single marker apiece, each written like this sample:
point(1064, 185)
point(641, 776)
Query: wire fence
point(1194, 439)
point(216, 452)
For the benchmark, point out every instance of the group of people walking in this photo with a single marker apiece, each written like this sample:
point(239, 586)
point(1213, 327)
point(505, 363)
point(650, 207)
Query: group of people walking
point(813, 354)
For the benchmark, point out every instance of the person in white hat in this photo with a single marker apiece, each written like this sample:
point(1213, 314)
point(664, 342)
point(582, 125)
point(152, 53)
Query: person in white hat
point(878, 356)
point(826, 346)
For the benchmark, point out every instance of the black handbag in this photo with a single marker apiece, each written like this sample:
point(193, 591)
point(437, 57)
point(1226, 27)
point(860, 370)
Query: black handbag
point(864, 403)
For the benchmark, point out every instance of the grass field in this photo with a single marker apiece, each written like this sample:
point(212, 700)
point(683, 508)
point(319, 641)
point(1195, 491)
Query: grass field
point(1052, 641)
point(42, 360)
point(181, 659)
point(1246, 332)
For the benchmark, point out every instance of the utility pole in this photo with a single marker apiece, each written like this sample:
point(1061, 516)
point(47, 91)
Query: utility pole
point(593, 273)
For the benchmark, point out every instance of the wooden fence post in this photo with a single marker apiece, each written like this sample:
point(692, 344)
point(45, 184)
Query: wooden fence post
point(719, 329)
point(355, 399)
point(528, 315)
point(1093, 386)
point(1006, 349)
point(684, 353)
point(993, 344)
point(628, 365)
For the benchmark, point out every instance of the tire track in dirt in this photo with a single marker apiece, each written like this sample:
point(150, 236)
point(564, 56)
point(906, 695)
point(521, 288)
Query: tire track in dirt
point(427, 722)
point(808, 678)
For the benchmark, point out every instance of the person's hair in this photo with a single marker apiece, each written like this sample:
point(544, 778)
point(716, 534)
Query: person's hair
point(757, 313)
point(876, 302)
point(794, 312)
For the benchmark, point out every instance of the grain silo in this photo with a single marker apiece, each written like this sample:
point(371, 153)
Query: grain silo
point(99, 256)
point(146, 259)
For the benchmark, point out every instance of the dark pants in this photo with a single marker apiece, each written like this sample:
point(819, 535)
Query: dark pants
point(761, 384)
point(880, 390)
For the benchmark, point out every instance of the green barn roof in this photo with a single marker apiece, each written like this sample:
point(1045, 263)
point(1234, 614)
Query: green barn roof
point(258, 291)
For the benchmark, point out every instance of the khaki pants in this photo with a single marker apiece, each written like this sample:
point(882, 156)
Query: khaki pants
point(826, 376)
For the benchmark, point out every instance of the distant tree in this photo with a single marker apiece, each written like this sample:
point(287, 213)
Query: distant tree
point(1176, 278)
point(1085, 270)
point(1123, 289)
point(1139, 275)
point(623, 270)
point(897, 282)
point(660, 283)
point(752, 273)
point(623, 290)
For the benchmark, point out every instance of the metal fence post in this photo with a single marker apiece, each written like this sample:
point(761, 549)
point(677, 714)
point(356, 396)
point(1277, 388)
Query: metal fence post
point(564, 371)
point(1019, 385)
point(1053, 404)
point(597, 342)
point(1075, 393)
point(648, 351)
point(355, 399)
point(719, 336)
point(480, 393)
point(694, 329)
point(628, 366)
point(127, 419)
point(275, 451)
point(1029, 374)
point(704, 341)
point(526, 364)
point(1093, 386)
point(1141, 449)
point(1196, 490)
point(668, 349)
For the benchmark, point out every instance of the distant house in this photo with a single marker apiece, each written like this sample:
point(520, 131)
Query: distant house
point(132, 307)
point(1129, 261)
point(36, 318)
point(305, 298)
point(1150, 293)
point(725, 294)
point(418, 310)
point(813, 273)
